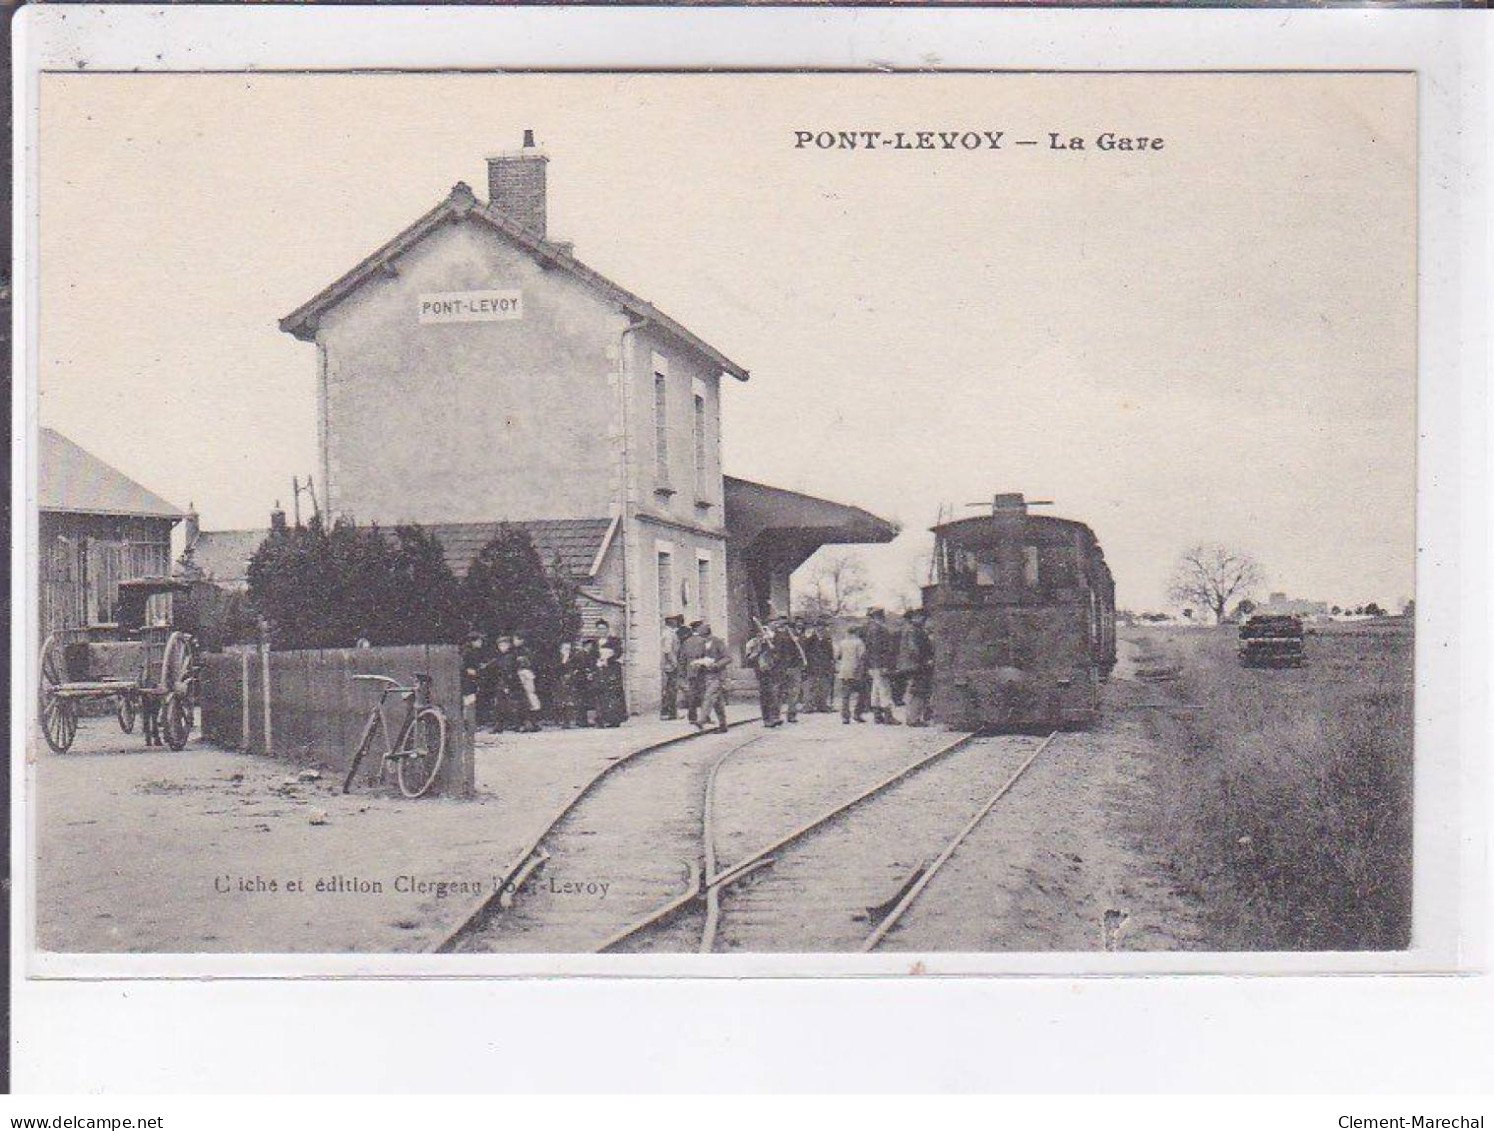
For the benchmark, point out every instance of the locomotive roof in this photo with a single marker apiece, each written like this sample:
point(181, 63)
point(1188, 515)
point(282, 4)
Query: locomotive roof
point(980, 524)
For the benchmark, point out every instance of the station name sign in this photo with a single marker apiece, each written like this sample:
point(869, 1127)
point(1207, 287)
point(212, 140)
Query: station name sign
point(472, 306)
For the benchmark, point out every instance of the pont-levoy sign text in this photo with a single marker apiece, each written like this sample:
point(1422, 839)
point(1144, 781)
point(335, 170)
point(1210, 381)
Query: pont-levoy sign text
point(472, 306)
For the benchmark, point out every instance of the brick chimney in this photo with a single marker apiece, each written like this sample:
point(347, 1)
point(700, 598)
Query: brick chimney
point(516, 185)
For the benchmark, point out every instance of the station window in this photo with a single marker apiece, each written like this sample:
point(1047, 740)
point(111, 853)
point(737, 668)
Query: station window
point(666, 583)
point(661, 426)
point(1030, 566)
point(703, 586)
point(700, 446)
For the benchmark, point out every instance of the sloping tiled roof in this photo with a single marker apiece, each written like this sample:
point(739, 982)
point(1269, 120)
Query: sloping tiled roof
point(574, 541)
point(223, 555)
point(71, 479)
point(461, 204)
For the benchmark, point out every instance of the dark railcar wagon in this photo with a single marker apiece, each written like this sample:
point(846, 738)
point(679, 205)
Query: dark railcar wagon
point(1022, 613)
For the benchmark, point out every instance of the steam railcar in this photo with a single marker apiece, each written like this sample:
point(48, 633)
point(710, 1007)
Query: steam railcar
point(1022, 613)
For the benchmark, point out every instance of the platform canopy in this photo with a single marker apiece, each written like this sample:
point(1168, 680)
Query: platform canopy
point(788, 527)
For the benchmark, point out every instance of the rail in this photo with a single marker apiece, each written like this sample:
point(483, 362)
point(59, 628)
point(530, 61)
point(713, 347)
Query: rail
point(484, 908)
point(874, 939)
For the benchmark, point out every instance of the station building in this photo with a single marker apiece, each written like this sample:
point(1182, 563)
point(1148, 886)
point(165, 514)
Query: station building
point(473, 371)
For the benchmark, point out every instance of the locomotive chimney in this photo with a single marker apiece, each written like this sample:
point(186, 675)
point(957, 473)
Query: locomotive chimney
point(516, 185)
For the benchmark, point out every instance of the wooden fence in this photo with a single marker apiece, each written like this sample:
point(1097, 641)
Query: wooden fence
point(315, 713)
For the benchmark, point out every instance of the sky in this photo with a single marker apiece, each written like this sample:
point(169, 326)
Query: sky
point(1210, 342)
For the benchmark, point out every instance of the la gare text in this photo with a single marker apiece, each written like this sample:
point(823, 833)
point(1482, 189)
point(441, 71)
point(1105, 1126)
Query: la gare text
point(973, 141)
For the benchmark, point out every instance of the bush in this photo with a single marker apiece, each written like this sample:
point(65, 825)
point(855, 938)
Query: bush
point(321, 588)
point(508, 590)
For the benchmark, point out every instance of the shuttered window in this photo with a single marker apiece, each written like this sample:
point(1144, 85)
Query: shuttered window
point(661, 428)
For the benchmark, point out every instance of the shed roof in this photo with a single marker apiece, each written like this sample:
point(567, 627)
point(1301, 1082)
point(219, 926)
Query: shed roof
point(78, 482)
point(223, 555)
point(574, 542)
point(753, 509)
point(461, 204)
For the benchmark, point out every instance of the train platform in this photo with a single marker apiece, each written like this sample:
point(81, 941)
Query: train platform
point(136, 847)
point(210, 851)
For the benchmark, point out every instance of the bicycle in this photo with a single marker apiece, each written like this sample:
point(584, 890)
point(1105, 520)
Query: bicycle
point(419, 750)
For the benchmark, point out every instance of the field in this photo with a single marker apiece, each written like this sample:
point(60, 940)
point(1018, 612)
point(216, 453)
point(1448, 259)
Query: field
point(1286, 795)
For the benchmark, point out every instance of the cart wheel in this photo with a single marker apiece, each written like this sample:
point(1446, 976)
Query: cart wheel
point(51, 670)
point(179, 663)
point(59, 723)
point(126, 712)
point(176, 719)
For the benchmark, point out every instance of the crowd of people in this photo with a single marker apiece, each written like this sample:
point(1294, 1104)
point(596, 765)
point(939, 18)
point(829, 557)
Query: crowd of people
point(800, 668)
point(872, 667)
point(586, 682)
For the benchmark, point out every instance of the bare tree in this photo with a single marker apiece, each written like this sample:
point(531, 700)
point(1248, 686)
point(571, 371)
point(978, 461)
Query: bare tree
point(836, 583)
point(1212, 575)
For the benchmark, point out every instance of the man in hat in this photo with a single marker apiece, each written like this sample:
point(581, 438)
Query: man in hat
point(915, 665)
point(504, 672)
point(669, 667)
point(476, 687)
point(689, 686)
point(850, 671)
point(880, 660)
point(761, 654)
point(706, 658)
point(791, 664)
point(819, 674)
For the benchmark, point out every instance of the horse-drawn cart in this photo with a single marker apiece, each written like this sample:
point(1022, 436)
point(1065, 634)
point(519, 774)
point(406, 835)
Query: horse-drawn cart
point(148, 670)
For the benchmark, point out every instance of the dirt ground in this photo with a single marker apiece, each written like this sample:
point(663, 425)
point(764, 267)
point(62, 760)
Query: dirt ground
point(161, 852)
point(211, 851)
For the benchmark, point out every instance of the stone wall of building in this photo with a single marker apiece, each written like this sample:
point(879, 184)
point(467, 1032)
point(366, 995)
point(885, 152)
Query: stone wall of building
point(470, 421)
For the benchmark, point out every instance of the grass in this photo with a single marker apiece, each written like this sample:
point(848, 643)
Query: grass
point(1286, 794)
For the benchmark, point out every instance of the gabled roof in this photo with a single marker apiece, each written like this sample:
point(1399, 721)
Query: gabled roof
point(73, 480)
point(460, 205)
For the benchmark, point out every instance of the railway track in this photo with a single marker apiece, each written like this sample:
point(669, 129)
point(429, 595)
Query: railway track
point(521, 875)
point(808, 889)
point(840, 881)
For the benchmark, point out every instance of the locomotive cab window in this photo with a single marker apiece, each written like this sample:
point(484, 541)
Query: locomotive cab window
point(1030, 566)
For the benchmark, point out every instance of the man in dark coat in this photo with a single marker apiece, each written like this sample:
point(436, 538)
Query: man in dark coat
point(880, 660)
point(820, 672)
point(705, 658)
point(761, 655)
point(689, 686)
point(503, 672)
point(792, 662)
point(475, 681)
point(915, 666)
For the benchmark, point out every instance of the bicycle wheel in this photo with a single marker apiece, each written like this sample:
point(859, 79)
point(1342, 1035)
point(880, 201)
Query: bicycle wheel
point(424, 750)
